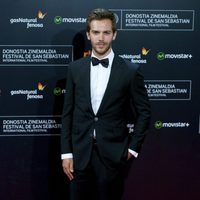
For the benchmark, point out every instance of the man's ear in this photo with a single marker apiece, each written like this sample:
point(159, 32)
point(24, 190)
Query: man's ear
point(114, 36)
point(88, 35)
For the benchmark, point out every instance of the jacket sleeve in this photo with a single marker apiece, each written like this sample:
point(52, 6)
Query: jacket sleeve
point(141, 105)
point(66, 146)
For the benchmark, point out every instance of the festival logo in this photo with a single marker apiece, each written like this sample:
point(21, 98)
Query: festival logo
point(169, 89)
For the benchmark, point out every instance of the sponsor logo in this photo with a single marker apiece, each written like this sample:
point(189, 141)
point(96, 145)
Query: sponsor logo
point(57, 19)
point(159, 124)
point(30, 94)
point(30, 22)
point(41, 15)
point(76, 20)
point(41, 86)
point(130, 128)
point(137, 58)
point(145, 51)
point(58, 91)
point(162, 56)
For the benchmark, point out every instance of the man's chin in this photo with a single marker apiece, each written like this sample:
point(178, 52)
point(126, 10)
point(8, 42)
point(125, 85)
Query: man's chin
point(102, 51)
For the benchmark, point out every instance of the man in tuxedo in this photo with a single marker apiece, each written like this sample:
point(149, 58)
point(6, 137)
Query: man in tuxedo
point(95, 143)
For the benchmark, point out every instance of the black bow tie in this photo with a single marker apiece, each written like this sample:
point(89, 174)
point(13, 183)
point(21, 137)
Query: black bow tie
point(104, 62)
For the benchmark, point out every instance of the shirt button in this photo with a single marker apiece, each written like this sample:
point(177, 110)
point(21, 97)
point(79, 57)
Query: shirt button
point(96, 119)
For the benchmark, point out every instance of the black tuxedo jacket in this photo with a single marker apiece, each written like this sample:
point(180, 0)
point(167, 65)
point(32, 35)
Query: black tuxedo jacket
point(125, 87)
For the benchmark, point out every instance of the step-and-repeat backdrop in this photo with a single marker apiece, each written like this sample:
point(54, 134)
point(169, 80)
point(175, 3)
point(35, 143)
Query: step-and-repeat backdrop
point(38, 39)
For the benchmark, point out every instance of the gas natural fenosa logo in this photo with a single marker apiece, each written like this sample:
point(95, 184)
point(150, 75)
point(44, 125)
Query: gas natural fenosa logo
point(145, 51)
point(30, 22)
point(41, 15)
point(139, 58)
point(30, 94)
point(41, 86)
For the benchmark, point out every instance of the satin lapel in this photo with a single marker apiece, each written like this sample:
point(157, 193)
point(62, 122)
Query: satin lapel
point(87, 82)
point(114, 76)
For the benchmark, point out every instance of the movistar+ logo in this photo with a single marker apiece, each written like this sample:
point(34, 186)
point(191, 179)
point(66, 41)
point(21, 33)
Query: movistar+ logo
point(161, 56)
point(58, 91)
point(58, 20)
point(160, 124)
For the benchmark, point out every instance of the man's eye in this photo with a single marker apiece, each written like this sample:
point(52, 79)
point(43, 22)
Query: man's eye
point(95, 32)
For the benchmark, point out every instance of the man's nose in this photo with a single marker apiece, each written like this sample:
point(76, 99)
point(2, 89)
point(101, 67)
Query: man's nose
point(101, 36)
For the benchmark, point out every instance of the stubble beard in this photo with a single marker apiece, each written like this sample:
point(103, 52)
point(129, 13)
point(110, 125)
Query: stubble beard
point(101, 52)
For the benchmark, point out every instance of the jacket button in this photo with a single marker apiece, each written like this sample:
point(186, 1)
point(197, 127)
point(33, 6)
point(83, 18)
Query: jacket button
point(91, 135)
point(96, 119)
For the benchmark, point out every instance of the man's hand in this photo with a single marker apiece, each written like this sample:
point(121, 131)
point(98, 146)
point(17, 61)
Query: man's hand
point(129, 156)
point(68, 168)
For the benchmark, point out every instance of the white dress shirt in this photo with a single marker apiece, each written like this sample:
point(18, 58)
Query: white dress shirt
point(99, 77)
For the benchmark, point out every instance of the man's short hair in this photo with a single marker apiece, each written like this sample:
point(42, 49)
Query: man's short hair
point(101, 14)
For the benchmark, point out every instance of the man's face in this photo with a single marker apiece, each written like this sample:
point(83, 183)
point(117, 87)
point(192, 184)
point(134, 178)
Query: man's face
point(101, 36)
